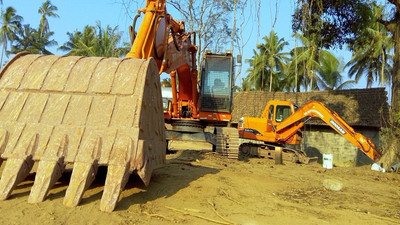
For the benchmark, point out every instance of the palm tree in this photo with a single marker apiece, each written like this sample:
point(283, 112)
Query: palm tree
point(268, 65)
point(11, 24)
point(362, 63)
point(308, 60)
point(383, 45)
point(43, 42)
point(80, 42)
point(95, 41)
point(46, 10)
point(23, 39)
point(272, 55)
point(107, 42)
point(330, 77)
point(256, 73)
point(29, 39)
point(373, 59)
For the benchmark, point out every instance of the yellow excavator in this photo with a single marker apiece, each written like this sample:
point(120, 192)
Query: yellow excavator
point(92, 111)
point(280, 125)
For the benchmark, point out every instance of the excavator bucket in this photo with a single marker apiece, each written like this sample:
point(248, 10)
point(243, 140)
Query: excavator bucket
point(85, 111)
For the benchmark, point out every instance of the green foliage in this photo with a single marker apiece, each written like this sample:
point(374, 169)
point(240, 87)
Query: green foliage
point(95, 41)
point(26, 38)
point(31, 40)
point(330, 77)
point(46, 10)
point(371, 52)
point(308, 60)
point(268, 65)
point(11, 23)
point(312, 67)
point(333, 22)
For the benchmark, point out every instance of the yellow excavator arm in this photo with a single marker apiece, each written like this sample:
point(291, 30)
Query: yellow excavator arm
point(331, 118)
point(162, 38)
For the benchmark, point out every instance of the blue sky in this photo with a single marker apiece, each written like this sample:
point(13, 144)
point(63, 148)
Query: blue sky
point(74, 15)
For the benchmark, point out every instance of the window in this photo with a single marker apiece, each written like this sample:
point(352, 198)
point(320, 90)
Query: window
point(282, 112)
point(216, 84)
point(217, 79)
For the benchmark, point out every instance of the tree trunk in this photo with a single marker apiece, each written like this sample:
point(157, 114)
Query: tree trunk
point(3, 49)
point(270, 82)
point(383, 68)
point(396, 78)
point(392, 153)
point(2, 53)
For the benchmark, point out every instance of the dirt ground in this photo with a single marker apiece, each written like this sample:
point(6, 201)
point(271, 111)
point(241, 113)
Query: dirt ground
point(201, 187)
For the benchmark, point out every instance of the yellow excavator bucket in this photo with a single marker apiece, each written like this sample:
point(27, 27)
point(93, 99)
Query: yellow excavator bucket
point(85, 111)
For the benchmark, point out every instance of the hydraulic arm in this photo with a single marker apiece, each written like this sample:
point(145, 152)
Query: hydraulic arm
point(165, 39)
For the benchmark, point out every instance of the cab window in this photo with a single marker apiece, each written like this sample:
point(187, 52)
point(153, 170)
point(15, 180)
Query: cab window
point(282, 112)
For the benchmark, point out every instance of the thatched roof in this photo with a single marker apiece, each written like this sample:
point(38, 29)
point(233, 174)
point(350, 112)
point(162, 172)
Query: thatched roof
point(358, 107)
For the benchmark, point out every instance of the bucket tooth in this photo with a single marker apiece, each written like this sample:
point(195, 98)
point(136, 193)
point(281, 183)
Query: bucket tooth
point(50, 168)
point(47, 174)
point(19, 164)
point(83, 174)
point(117, 177)
point(84, 170)
point(118, 172)
point(15, 171)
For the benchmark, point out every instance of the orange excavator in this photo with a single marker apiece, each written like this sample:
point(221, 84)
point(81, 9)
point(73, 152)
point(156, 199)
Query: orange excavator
point(86, 112)
point(281, 121)
point(191, 108)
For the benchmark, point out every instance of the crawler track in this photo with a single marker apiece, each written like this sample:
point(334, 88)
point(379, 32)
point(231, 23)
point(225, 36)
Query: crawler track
point(227, 142)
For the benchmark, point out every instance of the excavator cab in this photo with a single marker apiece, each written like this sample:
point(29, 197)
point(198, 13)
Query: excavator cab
point(277, 111)
point(264, 128)
point(216, 92)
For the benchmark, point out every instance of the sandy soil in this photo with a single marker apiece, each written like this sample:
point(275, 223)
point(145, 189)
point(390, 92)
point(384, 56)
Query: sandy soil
point(200, 187)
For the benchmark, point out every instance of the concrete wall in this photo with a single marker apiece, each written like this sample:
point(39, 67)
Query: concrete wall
point(318, 140)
